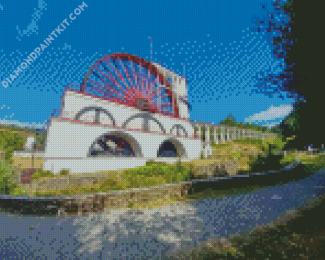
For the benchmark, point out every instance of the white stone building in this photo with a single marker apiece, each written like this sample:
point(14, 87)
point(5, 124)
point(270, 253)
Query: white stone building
point(93, 133)
point(128, 111)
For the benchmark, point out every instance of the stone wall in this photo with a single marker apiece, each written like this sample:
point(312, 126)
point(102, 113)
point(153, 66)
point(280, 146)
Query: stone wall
point(218, 168)
point(83, 204)
point(65, 182)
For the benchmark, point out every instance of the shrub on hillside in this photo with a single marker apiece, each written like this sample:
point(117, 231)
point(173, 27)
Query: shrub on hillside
point(266, 163)
point(42, 174)
point(64, 172)
point(9, 142)
point(114, 183)
point(314, 163)
point(18, 191)
point(6, 172)
point(256, 141)
point(156, 174)
point(288, 159)
point(152, 162)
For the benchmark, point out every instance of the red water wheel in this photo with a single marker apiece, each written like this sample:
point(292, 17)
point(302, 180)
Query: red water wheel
point(132, 81)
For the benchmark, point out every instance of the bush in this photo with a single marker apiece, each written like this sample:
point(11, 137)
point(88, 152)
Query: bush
point(152, 162)
point(9, 142)
point(114, 183)
point(266, 163)
point(18, 190)
point(42, 174)
point(6, 172)
point(288, 159)
point(154, 175)
point(64, 172)
point(314, 163)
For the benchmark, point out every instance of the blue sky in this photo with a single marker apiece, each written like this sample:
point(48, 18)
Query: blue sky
point(213, 39)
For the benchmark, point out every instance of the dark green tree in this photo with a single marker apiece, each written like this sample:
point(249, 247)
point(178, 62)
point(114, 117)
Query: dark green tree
point(229, 120)
point(299, 43)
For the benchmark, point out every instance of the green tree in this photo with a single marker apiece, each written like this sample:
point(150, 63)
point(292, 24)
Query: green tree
point(6, 172)
point(299, 44)
point(10, 142)
point(229, 120)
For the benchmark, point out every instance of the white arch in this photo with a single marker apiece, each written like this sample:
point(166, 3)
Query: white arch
point(178, 146)
point(136, 147)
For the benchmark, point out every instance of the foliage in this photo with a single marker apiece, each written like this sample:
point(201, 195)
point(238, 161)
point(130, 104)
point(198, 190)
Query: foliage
point(10, 142)
point(266, 163)
point(302, 51)
point(229, 120)
point(6, 172)
point(313, 163)
point(41, 138)
point(153, 175)
point(276, 144)
point(156, 175)
point(19, 190)
point(42, 174)
point(152, 162)
point(236, 155)
point(64, 172)
point(255, 141)
point(220, 146)
point(202, 156)
point(288, 159)
point(114, 183)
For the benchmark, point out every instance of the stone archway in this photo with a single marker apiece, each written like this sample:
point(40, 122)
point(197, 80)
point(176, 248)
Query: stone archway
point(114, 144)
point(171, 148)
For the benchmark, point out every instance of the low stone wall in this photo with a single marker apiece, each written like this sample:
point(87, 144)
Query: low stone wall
point(218, 168)
point(93, 203)
point(83, 204)
point(64, 182)
point(99, 202)
point(228, 167)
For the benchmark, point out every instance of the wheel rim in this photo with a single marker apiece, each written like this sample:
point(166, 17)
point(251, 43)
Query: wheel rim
point(131, 81)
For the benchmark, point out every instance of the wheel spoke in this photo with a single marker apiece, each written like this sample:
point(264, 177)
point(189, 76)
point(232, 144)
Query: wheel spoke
point(126, 78)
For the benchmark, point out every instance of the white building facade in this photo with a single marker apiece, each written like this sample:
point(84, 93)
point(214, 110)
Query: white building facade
point(90, 129)
point(94, 133)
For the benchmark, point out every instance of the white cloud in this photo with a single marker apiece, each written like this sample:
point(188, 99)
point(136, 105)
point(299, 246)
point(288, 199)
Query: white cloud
point(273, 113)
point(21, 124)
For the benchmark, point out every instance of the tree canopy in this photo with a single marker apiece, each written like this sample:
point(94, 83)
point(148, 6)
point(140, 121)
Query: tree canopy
point(229, 120)
point(299, 44)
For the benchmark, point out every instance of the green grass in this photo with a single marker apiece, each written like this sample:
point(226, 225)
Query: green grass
point(153, 174)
